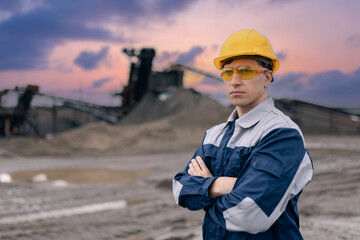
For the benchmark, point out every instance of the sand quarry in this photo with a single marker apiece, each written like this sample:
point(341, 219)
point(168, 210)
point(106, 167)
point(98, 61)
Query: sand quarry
point(105, 181)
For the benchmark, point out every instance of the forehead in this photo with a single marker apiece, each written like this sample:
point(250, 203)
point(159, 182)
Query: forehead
point(241, 62)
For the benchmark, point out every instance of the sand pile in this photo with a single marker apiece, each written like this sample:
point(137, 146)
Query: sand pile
point(175, 124)
point(153, 107)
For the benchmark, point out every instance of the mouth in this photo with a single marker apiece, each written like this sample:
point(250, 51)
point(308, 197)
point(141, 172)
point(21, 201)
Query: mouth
point(236, 93)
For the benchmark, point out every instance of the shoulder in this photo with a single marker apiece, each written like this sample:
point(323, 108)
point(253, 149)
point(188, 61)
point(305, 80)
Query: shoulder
point(216, 128)
point(213, 135)
point(277, 120)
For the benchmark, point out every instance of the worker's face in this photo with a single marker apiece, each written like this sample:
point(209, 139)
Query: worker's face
point(247, 94)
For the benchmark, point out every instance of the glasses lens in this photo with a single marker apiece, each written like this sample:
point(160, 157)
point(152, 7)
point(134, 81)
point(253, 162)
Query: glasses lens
point(247, 72)
point(227, 74)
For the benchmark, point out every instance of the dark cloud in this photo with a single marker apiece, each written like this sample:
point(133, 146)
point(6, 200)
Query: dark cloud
point(215, 47)
point(179, 57)
point(94, 85)
point(289, 83)
point(29, 36)
point(43, 23)
point(232, 2)
point(99, 83)
point(331, 88)
point(19, 54)
point(281, 1)
point(127, 11)
point(239, 2)
point(10, 5)
point(280, 56)
point(189, 57)
point(165, 57)
point(354, 40)
point(211, 81)
point(165, 7)
point(88, 60)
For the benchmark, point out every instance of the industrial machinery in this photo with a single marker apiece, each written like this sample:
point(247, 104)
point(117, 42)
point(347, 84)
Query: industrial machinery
point(143, 80)
point(11, 119)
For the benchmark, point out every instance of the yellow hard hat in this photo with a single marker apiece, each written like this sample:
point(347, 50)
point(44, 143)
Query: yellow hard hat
point(246, 42)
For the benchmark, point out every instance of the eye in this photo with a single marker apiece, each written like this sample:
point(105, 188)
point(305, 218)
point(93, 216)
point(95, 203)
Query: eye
point(227, 70)
point(244, 69)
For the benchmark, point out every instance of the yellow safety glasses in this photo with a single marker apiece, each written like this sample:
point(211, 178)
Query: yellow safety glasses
point(244, 72)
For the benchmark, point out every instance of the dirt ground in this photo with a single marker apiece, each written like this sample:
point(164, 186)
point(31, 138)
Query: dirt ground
point(104, 181)
point(329, 205)
point(81, 175)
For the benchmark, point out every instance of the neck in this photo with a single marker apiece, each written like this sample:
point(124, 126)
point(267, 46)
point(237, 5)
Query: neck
point(242, 110)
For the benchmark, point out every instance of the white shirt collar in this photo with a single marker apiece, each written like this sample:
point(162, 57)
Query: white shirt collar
point(254, 115)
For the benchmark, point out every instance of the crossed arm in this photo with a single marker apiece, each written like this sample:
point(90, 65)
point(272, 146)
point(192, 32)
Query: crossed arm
point(221, 186)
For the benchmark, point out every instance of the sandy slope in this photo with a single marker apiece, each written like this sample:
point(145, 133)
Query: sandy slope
point(153, 126)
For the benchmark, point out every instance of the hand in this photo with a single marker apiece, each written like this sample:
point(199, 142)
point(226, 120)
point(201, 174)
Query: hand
point(197, 167)
point(221, 186)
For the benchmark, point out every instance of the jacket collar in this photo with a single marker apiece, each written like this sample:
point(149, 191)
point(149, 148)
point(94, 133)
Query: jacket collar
point(254, 115)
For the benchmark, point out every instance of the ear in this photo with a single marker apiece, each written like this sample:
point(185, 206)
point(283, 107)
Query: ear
point(269, 76)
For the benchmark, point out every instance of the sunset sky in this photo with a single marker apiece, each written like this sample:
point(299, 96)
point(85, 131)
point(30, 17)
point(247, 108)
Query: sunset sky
point(73, 48)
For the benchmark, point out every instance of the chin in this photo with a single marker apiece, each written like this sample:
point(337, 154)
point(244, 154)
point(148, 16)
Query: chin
point(238, 103)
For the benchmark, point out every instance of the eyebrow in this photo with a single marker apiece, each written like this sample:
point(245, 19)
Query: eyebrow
point(243, 66)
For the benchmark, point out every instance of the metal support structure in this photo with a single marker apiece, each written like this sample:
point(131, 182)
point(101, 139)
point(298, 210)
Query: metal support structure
point(54, 120)
point(7, 127)
point(198, 71)
point(139, 77)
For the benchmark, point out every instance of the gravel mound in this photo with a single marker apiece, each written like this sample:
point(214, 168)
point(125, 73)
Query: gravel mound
point(175, 124)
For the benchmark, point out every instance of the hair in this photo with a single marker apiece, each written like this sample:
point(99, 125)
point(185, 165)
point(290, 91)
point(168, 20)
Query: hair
point(262, 61)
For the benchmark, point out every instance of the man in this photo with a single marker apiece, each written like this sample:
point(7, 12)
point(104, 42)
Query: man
point(248, 173)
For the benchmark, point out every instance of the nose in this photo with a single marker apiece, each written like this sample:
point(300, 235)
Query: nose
point(236, 80)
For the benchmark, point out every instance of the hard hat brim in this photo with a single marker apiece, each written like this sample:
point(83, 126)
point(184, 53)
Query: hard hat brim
point(219, 60)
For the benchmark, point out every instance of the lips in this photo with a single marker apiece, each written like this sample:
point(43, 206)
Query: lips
point(236, 93)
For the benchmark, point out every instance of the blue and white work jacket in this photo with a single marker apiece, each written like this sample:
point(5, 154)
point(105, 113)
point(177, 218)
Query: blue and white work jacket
point(264, 149)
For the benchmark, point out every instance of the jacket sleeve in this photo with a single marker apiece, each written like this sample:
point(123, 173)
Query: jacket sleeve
point(276, 171)
point(192, 191)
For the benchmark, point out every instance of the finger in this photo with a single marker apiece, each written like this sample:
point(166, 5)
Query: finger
point(198, 164)
point(195, 169)
point(191, 169)
point(195, 165)
point(191, 166)
point(199, 159)
point(201, 163)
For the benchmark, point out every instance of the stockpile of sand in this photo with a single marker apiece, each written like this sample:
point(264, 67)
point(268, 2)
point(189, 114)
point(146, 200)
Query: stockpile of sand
point(175, 124)
point(153, 107)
